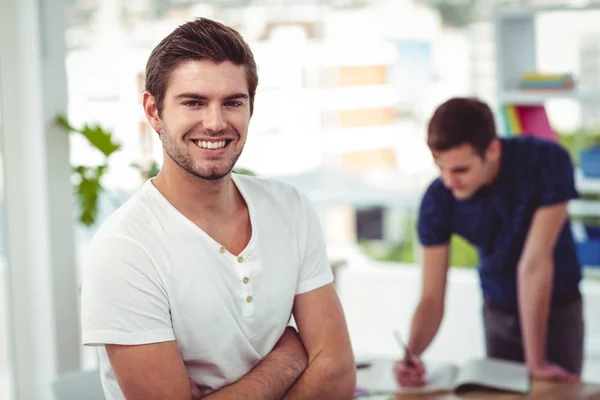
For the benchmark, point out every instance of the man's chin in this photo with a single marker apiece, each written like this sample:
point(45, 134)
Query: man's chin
point(461, 195)
point(212, 176)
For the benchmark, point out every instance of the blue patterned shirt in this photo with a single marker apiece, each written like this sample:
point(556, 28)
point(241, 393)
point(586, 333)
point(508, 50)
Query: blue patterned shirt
point(533, 173)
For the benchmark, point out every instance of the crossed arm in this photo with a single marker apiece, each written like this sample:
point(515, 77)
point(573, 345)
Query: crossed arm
point(318, 364)
point(156, 371)
point(331, 373)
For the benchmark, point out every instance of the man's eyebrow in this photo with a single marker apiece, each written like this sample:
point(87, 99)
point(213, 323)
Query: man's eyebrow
point(237, 96)
point(199, 96)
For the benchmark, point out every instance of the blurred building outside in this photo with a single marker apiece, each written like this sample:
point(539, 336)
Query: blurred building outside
point(331, 97)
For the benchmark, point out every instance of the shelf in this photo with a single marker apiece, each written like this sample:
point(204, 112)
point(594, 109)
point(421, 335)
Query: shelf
point(583, 208)
point(586, 185)
point(528, 11)
point(536, 97)
point(591, 271)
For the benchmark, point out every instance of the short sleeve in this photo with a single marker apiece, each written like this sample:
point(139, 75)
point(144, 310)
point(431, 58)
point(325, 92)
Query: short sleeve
point(315, 269)
point(123, 300)
point(556, 177)
point(434, 225)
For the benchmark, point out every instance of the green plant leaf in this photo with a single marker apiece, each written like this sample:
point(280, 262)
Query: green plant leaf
point(61, 121)
point(243, 171)
point(100, 139)
point(147, 172)
point(88, 191)
point(97, 136)
point(87, 180)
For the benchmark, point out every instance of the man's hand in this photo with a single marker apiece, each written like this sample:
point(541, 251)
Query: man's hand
point(409, 372)
point(196, 393)
point(549, 371)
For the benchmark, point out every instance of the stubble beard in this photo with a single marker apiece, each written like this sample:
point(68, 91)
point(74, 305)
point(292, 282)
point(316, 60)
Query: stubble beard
point(205, 170)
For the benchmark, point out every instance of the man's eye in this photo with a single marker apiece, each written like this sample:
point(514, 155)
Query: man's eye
point(192, 103)
point(233, 104)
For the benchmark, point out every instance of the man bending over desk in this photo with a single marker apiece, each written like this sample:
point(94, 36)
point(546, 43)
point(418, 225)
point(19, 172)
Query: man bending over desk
point(189, 287)
point(508, 197)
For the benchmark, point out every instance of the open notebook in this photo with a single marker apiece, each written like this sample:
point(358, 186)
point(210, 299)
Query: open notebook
point(486, 374)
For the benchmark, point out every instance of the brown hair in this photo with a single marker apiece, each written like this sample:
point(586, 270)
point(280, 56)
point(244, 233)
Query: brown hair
point(198, 40)
point(461, 120)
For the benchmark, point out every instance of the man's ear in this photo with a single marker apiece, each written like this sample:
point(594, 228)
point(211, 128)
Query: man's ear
point(151, 111)
point(494, 150)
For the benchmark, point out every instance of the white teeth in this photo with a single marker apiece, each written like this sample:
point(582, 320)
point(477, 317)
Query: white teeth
point(211, 145)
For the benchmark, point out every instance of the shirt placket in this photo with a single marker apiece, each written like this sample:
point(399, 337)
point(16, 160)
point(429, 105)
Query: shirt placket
point(246, 287)
point(246, 295)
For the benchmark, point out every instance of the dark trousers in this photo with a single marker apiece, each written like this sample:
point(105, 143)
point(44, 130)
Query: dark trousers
point(564, 343)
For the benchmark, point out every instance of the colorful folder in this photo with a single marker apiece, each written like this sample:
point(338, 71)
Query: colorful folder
point(528, 120)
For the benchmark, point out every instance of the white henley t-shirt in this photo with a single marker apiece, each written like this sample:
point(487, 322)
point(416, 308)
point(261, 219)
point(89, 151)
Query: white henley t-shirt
point(151, 275)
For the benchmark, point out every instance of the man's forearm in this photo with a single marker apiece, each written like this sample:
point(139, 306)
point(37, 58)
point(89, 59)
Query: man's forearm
point(273, 376)
point(534, 291)
point(270, 379)
point(325, 378)
point(425, 324)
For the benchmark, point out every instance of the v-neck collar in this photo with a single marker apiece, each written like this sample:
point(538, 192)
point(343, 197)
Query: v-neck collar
point(192, 227)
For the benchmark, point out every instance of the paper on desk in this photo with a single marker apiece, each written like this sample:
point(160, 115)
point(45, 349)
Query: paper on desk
point(438, 377)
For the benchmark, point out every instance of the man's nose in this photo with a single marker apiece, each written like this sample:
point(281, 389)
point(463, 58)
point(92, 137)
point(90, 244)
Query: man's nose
point(449, 181)
point(213, 119)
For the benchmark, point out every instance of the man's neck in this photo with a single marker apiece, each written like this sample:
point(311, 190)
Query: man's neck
point(194, 197)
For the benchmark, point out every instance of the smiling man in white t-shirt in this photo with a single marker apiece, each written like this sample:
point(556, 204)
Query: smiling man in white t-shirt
point(189, 287)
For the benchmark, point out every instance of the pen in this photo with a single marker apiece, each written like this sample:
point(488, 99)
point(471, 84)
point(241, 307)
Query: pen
point(408, 356)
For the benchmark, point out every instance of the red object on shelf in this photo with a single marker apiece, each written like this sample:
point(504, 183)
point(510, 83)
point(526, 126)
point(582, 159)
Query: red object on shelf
point(534, 122)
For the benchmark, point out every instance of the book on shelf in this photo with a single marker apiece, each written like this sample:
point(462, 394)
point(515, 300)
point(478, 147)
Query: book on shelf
point(527, 120)
point(533, 81)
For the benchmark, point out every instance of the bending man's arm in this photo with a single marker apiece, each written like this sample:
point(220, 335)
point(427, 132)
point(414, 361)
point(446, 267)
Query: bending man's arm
point(409, 371)
point(156, 371)
point(430, 310)
point(331, 372)
point(534, 283)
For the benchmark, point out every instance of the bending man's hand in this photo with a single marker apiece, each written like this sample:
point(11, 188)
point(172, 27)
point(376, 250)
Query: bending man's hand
point(549, 371)
point(409, 372)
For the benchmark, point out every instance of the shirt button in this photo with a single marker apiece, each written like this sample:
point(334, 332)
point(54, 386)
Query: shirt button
point(222, 249)
point(240, 259)
point(246, 280)
point(249, 299)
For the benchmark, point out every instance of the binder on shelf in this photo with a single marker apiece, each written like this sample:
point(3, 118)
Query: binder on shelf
point(528, 120)
point(544, 81)
point(511, 120)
